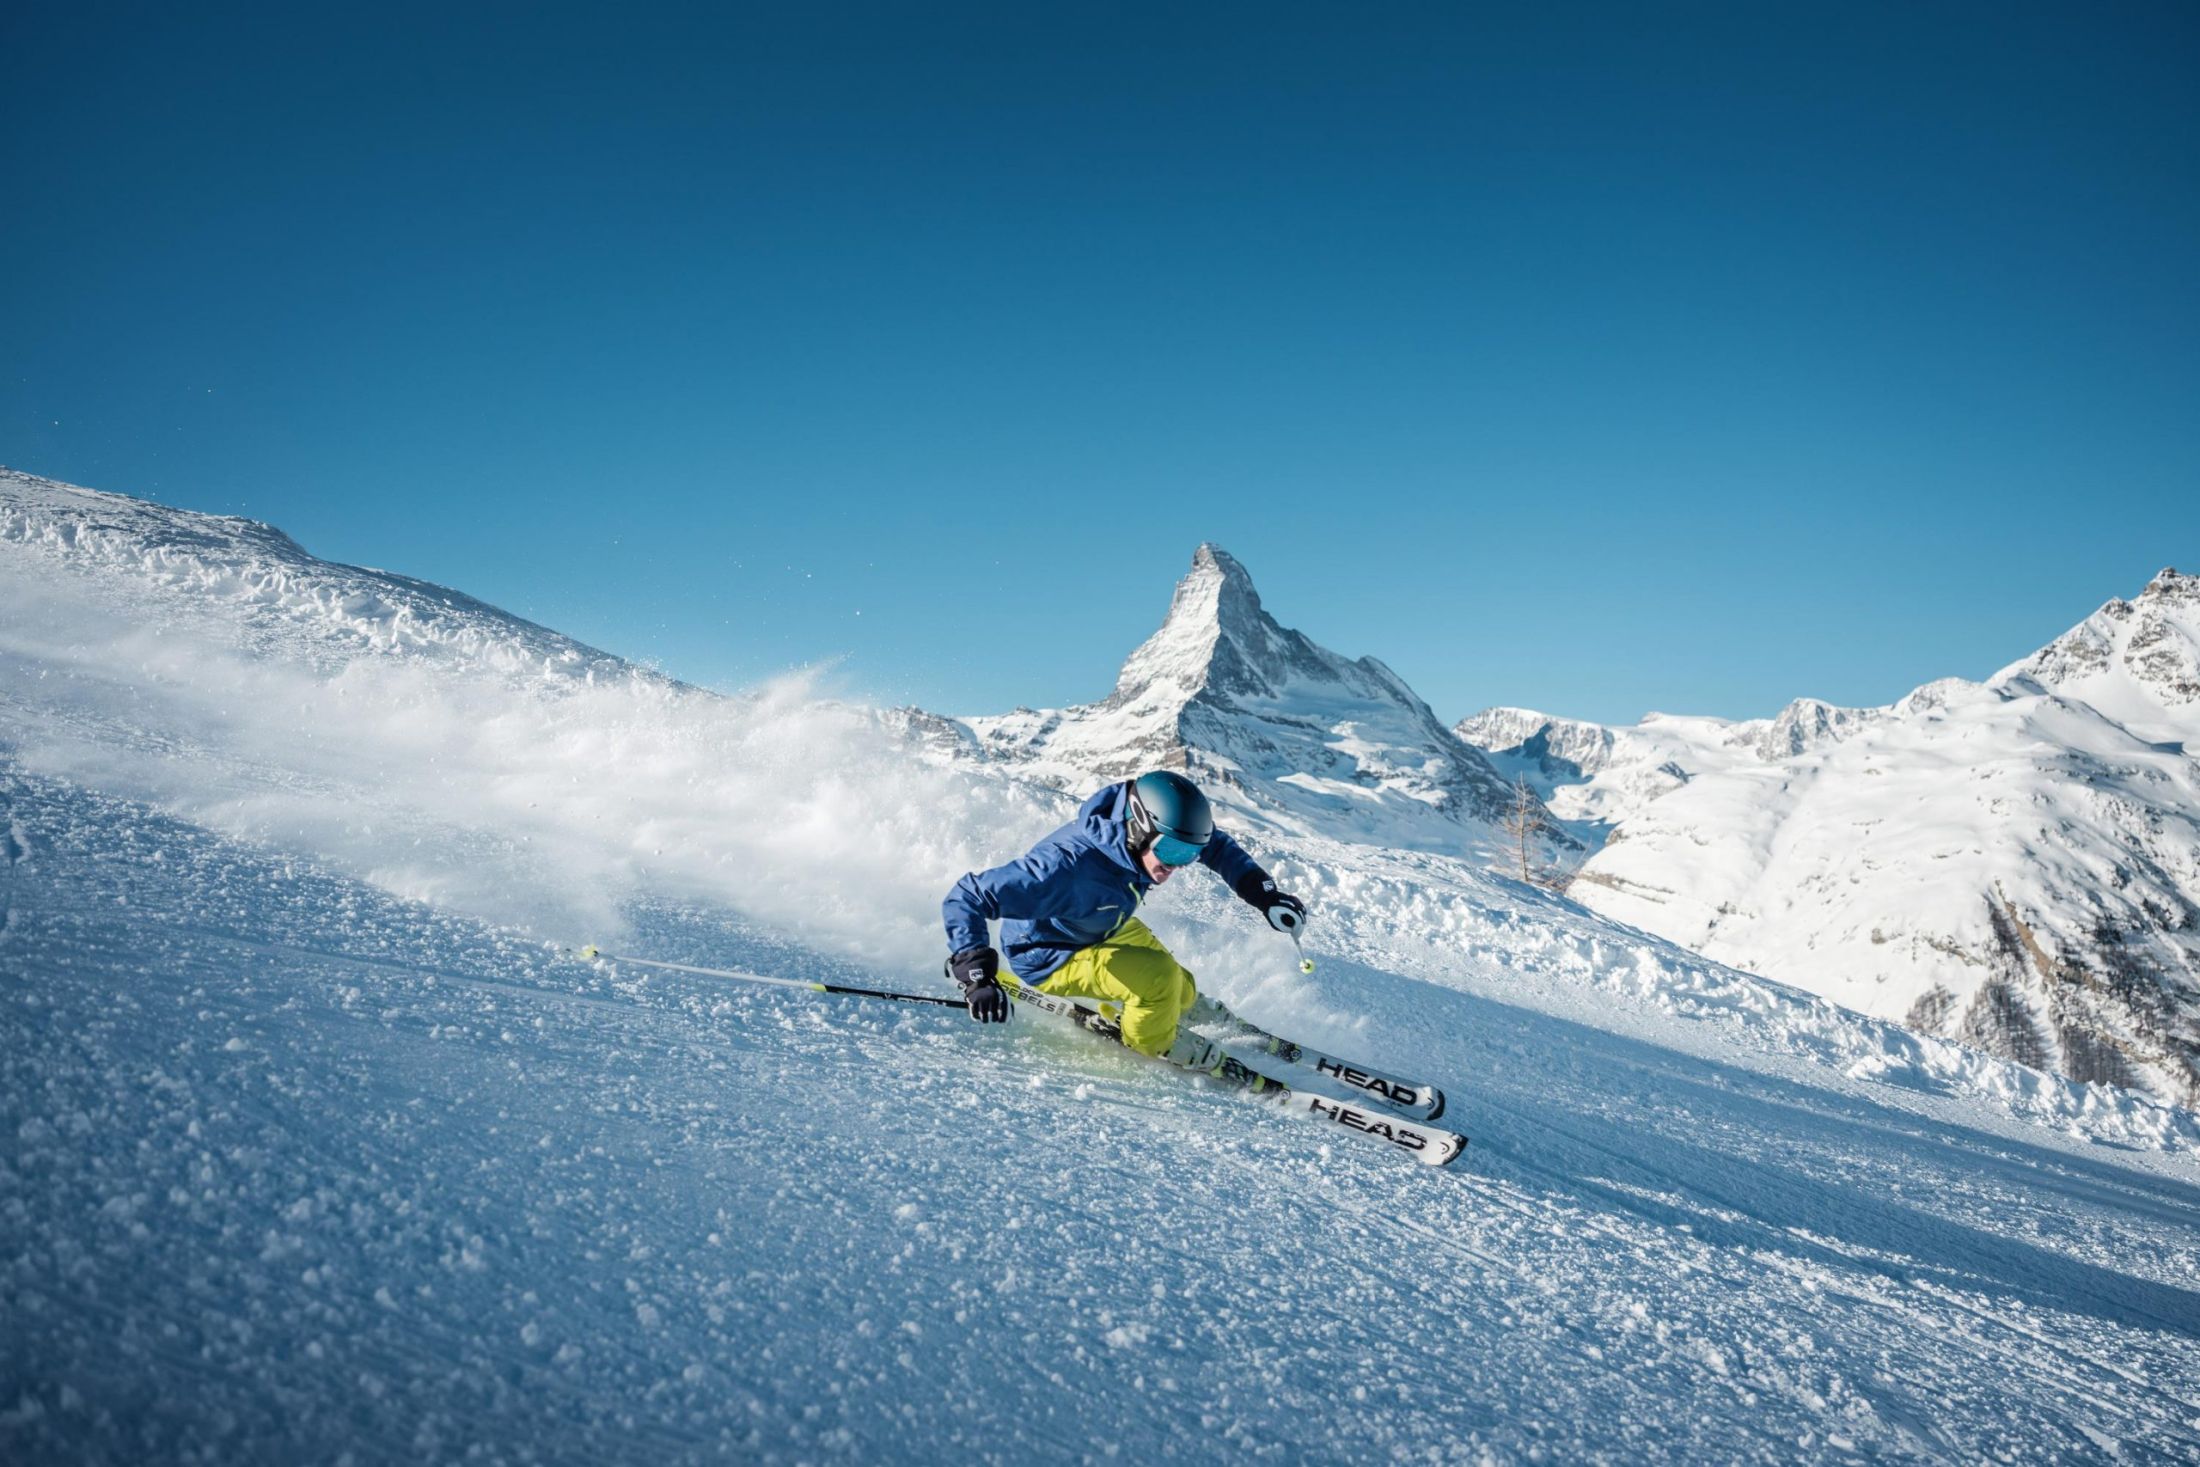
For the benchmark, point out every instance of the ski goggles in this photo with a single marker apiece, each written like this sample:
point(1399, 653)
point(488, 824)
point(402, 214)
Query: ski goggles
point(1170, 851)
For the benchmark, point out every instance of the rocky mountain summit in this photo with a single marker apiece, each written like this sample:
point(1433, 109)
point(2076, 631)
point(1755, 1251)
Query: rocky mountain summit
point(1280, 730)
point(2137, 662)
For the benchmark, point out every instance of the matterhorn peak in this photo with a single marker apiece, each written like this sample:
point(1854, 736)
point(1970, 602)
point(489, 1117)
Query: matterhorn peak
point(1218, 580)
point(1211, 559)
point(1217, 641)
point(1273, 724)
point(1215, 605)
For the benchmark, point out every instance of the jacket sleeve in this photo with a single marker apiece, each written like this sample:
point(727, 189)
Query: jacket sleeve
point(1227, 859)
point(1039, 884)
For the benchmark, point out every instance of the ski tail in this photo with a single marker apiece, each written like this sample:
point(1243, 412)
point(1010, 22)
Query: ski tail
point(1048, 1003)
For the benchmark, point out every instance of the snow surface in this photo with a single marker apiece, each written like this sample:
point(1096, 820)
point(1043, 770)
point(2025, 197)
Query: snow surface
point(318, 1145)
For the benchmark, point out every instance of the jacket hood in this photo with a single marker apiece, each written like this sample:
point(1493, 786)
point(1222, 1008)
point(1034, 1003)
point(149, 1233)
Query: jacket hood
point(1106, 820)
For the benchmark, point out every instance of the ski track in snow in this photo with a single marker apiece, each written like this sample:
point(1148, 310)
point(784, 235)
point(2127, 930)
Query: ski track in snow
point(298, 1167)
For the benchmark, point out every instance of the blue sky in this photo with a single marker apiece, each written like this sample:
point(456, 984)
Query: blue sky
point(1596, 358)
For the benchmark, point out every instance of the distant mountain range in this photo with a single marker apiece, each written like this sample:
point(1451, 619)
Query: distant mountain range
point(2013, 863)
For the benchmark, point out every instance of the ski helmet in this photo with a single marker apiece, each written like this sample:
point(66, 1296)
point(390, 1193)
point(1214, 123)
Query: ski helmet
point(1168, 811)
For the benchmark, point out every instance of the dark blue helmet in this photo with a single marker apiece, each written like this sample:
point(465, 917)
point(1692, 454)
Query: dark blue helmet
point(1168, 811)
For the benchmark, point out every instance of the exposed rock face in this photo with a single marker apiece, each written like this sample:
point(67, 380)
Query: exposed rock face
point(1808, 724)
point(1281, 730)
point(2138, 662)
point(1561, 748)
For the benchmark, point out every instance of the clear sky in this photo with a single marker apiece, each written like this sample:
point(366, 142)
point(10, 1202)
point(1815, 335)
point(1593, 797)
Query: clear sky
point(1595, 358)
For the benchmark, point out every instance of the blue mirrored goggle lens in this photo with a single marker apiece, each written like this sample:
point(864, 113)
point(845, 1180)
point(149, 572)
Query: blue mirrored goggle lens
point(1173, 852)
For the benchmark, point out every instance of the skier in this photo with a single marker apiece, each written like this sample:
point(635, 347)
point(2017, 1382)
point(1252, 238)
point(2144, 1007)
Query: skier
point(1068, 918)
point(1068, 912)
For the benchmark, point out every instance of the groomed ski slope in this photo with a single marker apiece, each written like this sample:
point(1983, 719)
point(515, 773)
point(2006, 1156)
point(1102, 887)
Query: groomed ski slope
point(315, 1144)
point(301, 1168)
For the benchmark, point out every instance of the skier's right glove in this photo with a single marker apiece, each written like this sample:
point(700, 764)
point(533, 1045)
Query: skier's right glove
point(1285, 912)
point(977, 969)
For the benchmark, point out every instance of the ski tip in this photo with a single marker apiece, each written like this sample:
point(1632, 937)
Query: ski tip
point(1435, 1102)
point(1444, 1155)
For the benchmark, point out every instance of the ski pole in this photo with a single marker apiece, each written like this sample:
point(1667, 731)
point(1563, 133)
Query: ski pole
point(739, 977)
point(1297, 933)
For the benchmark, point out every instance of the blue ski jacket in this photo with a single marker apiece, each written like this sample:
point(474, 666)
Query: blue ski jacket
point(1071, 889)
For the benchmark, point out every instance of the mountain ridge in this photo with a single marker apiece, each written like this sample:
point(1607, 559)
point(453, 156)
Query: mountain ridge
point(2010, 863)
point(287, 595)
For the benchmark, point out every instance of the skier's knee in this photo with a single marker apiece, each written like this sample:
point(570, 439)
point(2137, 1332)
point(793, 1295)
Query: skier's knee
point(1147, 974)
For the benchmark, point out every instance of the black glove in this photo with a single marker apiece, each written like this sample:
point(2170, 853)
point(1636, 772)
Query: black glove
point(1285, 912)
point(976, 968)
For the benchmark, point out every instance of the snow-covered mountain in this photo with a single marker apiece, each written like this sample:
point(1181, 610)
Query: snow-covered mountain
point(1594, 776)
point(321, 1143)
point(1285, 734)
point(2136, 662)
point(162, 563)
point(2014, 863)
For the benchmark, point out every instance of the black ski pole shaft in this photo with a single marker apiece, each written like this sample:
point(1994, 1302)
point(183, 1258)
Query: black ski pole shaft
point(736, 976)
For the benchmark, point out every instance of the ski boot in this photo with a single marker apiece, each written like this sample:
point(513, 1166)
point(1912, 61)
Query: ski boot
point(1203, 1056)
point(1211, 1014)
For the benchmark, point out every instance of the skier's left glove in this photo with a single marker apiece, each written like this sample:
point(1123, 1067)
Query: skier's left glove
point(1285, 912)
point(976, 969)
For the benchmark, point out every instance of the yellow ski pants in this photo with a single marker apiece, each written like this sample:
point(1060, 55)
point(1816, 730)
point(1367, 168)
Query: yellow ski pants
point(1139, 984)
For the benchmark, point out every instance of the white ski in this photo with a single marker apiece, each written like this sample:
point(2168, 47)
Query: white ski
point(1414, 1098)
point(1426, 1143)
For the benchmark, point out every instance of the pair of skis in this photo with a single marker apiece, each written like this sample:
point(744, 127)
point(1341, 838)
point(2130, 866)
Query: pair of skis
point(1407, 1106)
point(1399, 1113)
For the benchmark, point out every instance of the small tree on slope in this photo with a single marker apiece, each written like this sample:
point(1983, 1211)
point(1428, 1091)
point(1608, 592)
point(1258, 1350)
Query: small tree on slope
point(1524, 821)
